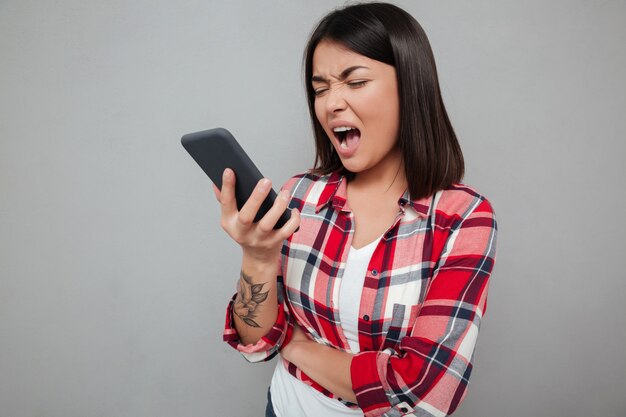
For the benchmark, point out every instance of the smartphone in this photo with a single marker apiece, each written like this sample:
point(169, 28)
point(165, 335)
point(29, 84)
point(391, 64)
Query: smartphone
point(215, 150)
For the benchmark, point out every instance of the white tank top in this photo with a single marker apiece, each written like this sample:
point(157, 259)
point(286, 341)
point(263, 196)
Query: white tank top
point(292, 397)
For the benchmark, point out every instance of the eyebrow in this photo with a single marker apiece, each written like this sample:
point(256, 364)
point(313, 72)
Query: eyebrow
point(344, 74)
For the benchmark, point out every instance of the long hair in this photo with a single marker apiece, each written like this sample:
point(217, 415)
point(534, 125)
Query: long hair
point(431, 152)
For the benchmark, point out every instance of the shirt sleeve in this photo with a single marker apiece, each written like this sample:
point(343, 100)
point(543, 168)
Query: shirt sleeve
point(429, 373)
point(269, 345)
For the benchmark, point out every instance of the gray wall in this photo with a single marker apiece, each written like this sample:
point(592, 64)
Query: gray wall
point(114, 272)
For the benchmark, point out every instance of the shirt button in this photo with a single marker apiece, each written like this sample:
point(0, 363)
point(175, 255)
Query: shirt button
point(388, 235)
point(404, 409)
point(366, 317)
point(374, 272)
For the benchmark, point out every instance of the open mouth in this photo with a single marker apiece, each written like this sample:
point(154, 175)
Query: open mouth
point(347, 136)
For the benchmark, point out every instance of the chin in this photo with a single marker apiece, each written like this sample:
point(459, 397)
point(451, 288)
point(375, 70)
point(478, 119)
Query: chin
point(353, 166)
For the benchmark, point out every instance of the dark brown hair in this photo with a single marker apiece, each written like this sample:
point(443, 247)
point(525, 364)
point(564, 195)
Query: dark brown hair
point(432, 156)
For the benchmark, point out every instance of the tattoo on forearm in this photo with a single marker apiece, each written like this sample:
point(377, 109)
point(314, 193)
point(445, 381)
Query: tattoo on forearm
point(249, 296)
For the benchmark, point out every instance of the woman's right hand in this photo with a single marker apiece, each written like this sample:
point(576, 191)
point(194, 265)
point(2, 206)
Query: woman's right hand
point(259, 241)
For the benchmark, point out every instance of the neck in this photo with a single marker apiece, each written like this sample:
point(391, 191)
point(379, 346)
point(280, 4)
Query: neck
point(386, 178)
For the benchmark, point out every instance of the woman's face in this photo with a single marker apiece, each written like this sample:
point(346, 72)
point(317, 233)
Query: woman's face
point(357, 104)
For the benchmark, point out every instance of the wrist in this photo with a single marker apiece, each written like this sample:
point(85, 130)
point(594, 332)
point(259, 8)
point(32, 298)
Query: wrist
point(254, 264)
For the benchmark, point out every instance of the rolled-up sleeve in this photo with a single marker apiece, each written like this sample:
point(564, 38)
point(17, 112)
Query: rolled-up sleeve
point(429, 373)
point(268, 346)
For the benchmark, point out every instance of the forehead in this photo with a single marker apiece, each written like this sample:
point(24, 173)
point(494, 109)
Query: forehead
point(332, 57)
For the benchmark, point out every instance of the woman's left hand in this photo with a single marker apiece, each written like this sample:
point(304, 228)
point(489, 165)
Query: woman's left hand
point(298, 338)
point(327, 366)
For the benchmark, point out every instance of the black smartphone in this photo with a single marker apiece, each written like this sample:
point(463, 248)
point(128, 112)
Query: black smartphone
point(215, 150)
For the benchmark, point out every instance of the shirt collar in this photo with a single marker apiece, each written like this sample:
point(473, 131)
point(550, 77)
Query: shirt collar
point(335, 194)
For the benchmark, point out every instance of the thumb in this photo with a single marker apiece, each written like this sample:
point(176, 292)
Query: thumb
point(217, 192)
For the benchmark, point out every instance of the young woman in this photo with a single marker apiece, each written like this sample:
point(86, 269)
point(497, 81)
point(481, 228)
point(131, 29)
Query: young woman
point(374, 304)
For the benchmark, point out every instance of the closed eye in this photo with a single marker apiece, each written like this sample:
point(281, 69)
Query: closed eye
point(319, 91)
point(357, 84)
point(352, 84)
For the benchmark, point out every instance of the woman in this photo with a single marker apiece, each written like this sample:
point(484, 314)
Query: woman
point(375, 302)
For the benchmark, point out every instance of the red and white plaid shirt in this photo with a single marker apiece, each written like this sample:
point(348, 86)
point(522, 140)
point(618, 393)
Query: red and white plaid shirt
point(424, 295)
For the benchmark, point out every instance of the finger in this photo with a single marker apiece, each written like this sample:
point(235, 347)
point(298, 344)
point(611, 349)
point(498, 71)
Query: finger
point(227, 196)
point(251, 207)
point(266, 224)
point(217, 192)
point(292, 224)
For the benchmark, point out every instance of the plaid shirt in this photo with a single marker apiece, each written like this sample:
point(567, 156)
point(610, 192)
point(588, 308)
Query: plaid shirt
point(424, 295)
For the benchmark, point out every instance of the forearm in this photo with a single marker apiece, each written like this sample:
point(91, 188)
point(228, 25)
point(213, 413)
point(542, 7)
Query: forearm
point(327, 366)
point(256, 304)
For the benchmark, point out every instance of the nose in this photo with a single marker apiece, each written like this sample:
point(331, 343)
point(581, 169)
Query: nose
point(335, 100)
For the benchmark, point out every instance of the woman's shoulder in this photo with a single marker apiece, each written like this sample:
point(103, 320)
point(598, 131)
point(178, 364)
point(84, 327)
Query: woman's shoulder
point(307, 180)
point(310, 189)
point(461, 200)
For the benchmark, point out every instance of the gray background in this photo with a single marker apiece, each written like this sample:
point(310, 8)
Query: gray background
point(114, 272)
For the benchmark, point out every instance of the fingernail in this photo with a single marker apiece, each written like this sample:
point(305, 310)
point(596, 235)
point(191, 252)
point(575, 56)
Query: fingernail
point(265, 183)
point(284, 194)
point(226, 174)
